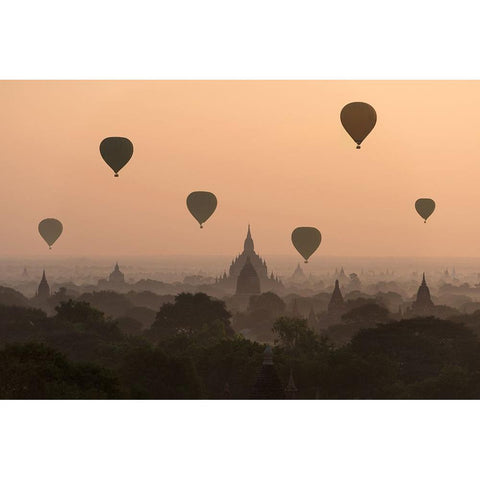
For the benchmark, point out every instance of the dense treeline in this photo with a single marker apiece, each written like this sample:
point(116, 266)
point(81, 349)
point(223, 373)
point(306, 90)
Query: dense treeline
point(191, 350)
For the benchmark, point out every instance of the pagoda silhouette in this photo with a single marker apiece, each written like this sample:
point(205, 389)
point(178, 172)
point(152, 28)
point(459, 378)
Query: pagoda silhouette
point(423, 304)
point(267, 282)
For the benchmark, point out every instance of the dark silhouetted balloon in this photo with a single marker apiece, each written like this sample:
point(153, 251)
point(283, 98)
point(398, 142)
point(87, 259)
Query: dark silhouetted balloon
point(425, 207)
point(116, 151)
point(358, 119)
point(201, 205)
point(306, 240)
point(50, 229)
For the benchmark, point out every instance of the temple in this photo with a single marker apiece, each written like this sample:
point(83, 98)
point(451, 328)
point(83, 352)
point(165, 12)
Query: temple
point(267, 385)
point(248, 282)
point(423, 304)
point(43, 291)
point(115, 279)
point(337, 304)
point(266, 282)
point(298, 276)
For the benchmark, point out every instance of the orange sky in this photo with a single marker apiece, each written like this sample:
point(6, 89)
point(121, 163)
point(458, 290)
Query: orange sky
point(274, 153)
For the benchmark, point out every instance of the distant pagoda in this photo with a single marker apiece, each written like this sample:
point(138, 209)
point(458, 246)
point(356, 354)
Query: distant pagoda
point(298, 276)
point(423, 304)
point(116, 279)
point(43, 291)
point(336, 304)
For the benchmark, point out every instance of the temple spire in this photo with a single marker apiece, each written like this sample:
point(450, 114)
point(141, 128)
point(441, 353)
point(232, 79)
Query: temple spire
point(248, 244)
point(336, 301)
point(291, 389)
point(43, 290)
point(423, 302)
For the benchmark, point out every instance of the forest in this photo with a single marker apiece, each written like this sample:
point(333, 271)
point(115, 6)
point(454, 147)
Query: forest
point(191, 350)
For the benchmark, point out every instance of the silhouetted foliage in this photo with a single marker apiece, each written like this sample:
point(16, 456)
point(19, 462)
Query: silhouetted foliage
point(111, 303)
point(35, 371)
point(19, 324)
point(192, 314)
point(9, 296)
point(260, 316)
point(146, 372)
point(129, 326)
point(191, 352)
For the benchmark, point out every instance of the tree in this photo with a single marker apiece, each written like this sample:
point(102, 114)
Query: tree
point(268, 303)
point(18, 324)
point(192, 314)
point(111, 303)
point(85, 317)
point(292, 332)
point(257, 321)
point(367, 315)
point(148, 373)
point(129, 325)
point(9, 296)
point(35, 371)
point(421, 347)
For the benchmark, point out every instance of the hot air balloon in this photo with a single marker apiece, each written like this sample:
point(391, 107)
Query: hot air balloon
point(306, 240)
point(425, 207)
point(116, 151)
point(201, 205)
point(50, 229)
point(358, 119)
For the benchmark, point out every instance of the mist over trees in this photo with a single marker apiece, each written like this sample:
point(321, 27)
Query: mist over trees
point(194, 347)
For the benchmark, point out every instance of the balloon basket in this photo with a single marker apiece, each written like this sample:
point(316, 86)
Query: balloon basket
point(358, 147)
point(116, 175)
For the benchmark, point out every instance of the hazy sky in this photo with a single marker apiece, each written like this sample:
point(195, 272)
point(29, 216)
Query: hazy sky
point(274, 153)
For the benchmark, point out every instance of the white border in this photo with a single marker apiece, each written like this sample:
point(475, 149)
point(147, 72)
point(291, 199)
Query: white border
point(208, 39)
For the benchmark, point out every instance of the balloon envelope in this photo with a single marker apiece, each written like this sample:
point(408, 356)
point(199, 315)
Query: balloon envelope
point(306, 240)
point(50, 229)
point(116, 151)
point(425, 207)
point(358, 119)
point(201, 205)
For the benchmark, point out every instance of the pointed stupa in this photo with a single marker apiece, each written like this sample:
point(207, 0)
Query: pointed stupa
point(423, 301)
point(43, 287)
point(336, 301)
point(298, 275)
point(267, 384)
point(248, 246)
point(116, 277)
point(291, 390)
